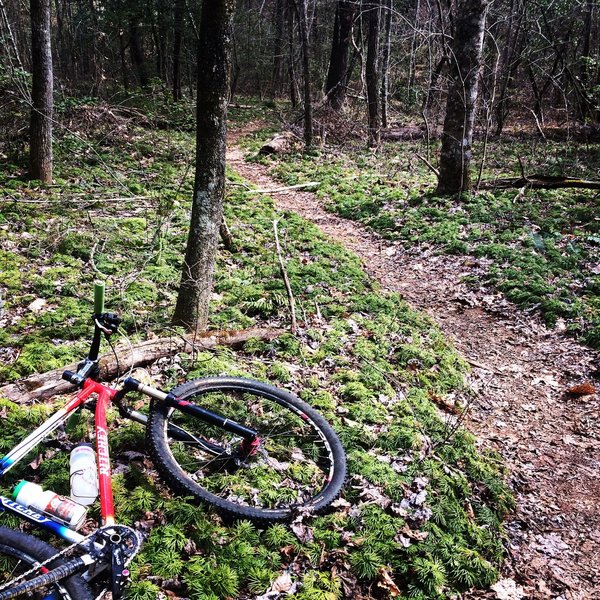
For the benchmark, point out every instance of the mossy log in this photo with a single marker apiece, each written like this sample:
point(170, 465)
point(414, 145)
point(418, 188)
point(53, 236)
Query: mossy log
point(45, 385)
point(547, 182)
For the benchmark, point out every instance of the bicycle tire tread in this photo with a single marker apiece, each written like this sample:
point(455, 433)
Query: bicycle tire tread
point(41, 551)
point(179, 483)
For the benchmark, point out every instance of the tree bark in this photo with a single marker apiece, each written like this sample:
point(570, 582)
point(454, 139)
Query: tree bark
point(294, 93)
point(337, 74)
point(42, 89)
point(385, 61)
point(45, 385)
point(177, 36)
point(455, 156)
point(302, 10)
point(214, 57)
point(371, 11)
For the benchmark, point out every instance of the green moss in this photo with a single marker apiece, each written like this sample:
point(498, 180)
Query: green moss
point(361, 356)
point(547, 235)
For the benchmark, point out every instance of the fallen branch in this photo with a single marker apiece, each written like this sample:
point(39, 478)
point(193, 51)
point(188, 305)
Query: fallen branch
point(548, 182)
point(45, 385)
point(298, 186)
point(428, 165)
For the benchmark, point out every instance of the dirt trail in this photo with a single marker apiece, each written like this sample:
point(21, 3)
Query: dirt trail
point(521, 372)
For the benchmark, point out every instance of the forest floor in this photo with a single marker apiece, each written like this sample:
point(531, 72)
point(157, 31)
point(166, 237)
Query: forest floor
point(528, 406)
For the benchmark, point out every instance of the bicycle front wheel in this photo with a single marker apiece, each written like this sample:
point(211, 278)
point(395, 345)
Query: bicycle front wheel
point(297, 461)
point(20, 553)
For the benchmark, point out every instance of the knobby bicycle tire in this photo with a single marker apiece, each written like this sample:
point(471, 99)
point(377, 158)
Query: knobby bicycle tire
point(19, 552)
point(299, 465)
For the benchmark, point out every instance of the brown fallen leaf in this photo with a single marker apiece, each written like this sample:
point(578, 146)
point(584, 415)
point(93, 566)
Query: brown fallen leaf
point(387, 583)
point(445, 403)
point(582, 389)
point(302, 532)
point(414, 534)
point(282, 584)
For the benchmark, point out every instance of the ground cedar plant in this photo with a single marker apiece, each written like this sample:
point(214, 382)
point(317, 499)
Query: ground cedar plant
point(541, 248)
point(422, 510)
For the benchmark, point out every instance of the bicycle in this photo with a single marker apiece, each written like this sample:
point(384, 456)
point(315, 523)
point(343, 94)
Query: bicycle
point(213, 439)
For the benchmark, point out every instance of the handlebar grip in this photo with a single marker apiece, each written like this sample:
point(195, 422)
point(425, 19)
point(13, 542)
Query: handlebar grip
point(98, 297)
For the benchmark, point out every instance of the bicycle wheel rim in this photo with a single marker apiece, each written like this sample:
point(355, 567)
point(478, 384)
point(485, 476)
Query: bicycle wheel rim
point(299, 462)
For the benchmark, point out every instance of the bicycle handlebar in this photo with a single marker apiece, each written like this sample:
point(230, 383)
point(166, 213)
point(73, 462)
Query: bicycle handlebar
point(99, 297)
point(106, 323)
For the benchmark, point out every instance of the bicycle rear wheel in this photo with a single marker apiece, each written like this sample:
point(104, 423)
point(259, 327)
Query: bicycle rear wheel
point(20, 552)
point(296, 463)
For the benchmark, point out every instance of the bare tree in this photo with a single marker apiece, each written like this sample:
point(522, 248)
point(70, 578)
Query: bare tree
point(302, 11)
point(40, 140)
point(214, 57)
point(371, 13)
point(11, 37)
point(455, 156)
point(385, 61)
point(337, 73)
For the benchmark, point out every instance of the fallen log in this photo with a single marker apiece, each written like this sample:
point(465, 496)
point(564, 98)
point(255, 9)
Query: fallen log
point(547, 182)
point(282, 143)
point(45, 385)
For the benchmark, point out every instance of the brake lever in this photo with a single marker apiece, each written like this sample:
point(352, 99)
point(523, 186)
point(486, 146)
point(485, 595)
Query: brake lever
point(108, 323)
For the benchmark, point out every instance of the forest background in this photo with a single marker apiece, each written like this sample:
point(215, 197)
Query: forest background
point(341, 76)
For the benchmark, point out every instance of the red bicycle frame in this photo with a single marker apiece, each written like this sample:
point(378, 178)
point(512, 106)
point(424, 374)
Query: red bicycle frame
point(105, 397)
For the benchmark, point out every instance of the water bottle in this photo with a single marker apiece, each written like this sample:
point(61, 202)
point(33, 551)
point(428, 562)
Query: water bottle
point(84, 475)
point(32, 495)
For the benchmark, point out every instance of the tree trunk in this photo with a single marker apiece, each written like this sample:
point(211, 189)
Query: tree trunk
point(42, 87)
point(385, 62)
point(122, 48)
point(371, 12)
point(214, 57)
point(586, 103)
point(302, 10)
point(292, 62)
point(337, 74)
point(455, 156)
point(136, 48)
point(177, 35)
point(278, 73)
point(509, 61)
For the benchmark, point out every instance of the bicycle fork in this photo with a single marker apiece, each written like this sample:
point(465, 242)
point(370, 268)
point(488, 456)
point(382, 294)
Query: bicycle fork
point(250, 439)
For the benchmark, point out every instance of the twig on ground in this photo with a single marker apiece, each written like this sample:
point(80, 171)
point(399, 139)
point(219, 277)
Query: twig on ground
point(298, 186)
point(428, 164)
point(286, 280)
